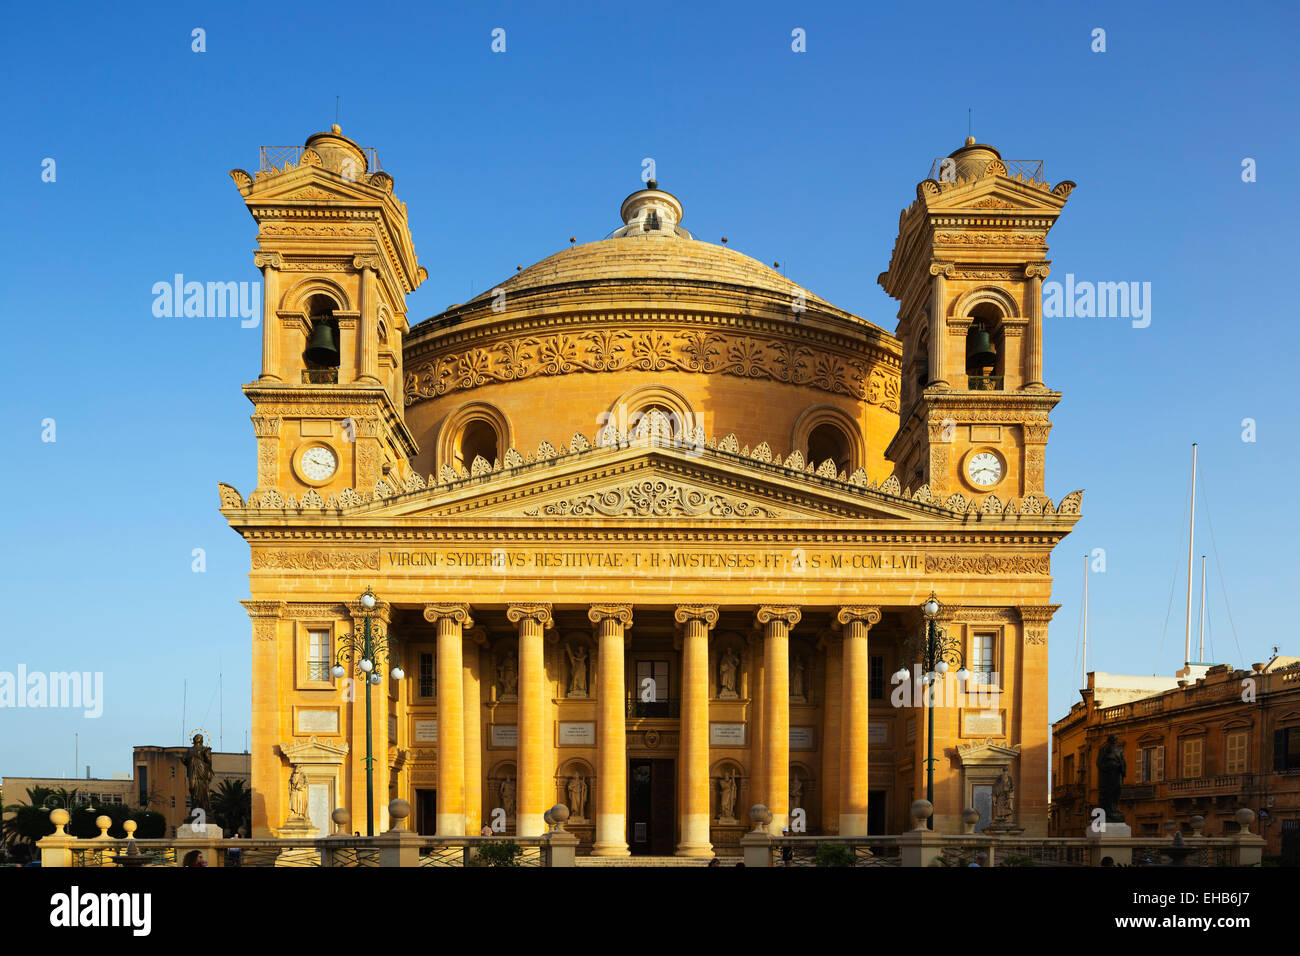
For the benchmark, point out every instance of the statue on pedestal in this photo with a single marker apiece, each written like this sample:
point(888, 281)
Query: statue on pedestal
point(578, 670)
point(198, 773)
point(297, 794)
point(577, 791)
point(1004, 798)
point(508, 674)
point(508, 796)
point(727, 670)
point(727, 797)
point(1111, 768)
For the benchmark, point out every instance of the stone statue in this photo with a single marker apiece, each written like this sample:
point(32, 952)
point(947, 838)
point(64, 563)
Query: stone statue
point(198, 772)
point(508, 675)
point(297, 794)
point(1111, 768)
point(796, 791)
point(728, 667)
point(1004, 797)
point(578, 671)
point(796, 679)
point(577, 791)
point(508, 796)
point(727, 796)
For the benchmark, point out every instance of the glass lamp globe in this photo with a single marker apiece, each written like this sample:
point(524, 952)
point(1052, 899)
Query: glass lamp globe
point(366, 665)
point(963, 674)
point(338, 670)
point(397, 672)
point(902, 675)
point(375, 679)
point(930, 607)
point(368, 601)
point(941, 667)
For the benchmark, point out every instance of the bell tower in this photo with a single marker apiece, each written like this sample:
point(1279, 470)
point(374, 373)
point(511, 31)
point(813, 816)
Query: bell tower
point(337, 264)
point(967, 270)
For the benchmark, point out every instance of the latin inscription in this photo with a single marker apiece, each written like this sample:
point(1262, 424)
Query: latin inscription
point(792, 561)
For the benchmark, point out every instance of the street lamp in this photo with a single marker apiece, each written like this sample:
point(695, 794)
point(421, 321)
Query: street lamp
point(370, 651)
point(938, 653)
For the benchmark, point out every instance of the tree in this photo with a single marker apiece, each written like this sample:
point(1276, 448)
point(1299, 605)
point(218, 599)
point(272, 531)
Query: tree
point(30, 821)
point(232, 805)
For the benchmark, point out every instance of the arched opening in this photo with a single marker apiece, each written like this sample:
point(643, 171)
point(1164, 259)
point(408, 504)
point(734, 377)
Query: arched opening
point(829, 441)
point(478, 438)
point(321, 356)
point(984, 348)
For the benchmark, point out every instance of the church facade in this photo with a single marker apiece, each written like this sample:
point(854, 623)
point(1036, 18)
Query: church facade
point(647, 526)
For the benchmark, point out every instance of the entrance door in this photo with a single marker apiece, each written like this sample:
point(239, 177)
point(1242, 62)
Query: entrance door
point(426, 812)
point(876, 813)
point(651, 807)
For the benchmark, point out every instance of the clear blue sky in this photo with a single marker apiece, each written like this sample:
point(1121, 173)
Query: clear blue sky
point(802, 158)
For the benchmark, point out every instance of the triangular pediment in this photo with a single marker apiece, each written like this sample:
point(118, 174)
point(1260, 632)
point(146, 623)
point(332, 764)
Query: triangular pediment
point(996, 194)
point(309, 184)
point(649, 481)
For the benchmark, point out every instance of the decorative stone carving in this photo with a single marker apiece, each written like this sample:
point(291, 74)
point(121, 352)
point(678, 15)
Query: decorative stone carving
point(655, 498)
point(316, 560)
point(987, 564)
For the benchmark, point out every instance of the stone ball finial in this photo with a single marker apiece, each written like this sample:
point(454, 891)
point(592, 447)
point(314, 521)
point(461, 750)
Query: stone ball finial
point(921, 811)
point(60, 820)
point(760, 815)
point(103, 821)
point(1245, 817)
point(548, 820)
point(342, 819)
point(969, 817)
point(1197, 823)
point(398, 810)
point(130, 827)
point(336, 128)
point(559, 813)
point(970, 140)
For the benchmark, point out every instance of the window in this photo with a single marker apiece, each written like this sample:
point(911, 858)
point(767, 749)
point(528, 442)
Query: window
point(318, 654)
point(173, 769)
point(142, 776)
point(1286, 749)
point(478, 439)
point(1193, 750)
point(1234, 751)
point(1067, 769)
point(651, 681)
point(1151, 764)
point(828, 441)
point(426, 685)
point(983, 646)
point(876, 681)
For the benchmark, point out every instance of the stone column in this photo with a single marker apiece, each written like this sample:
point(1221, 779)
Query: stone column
point(534, 778)
point(831, 729)
point(367, 328)
point(471, 675)
point(757, 723)
point(270, 263)
point(380, 619)
point(266, 732)
point(776, 623)
point(450, 619)
point(855, 710)
point(938, 325)
point(693, 761)
point(611, 741)
point(1035, 272)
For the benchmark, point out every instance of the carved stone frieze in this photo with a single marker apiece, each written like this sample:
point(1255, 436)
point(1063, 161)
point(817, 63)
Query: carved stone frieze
point(656, 498)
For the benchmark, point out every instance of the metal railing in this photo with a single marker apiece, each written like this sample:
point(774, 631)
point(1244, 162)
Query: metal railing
point(320, 376)
point(808, 851)
point(654, 708)
point(275, 158)
point(1031, 170)
point(984, 383)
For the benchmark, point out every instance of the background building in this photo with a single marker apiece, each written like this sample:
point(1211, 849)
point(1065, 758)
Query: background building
point(1203, 746)
point(649, 524)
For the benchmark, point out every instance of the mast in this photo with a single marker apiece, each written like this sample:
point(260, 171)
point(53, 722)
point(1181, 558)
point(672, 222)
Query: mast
point(1191, 551)
point(1085, 620)
point(1200, 654)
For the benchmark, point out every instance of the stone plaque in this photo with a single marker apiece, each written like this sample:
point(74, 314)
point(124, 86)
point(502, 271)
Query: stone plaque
point(318, 721)
point(392, 728)
point(726, 735)
point(318, 807)
point(505, 735)
point(801, 738)
point(577, 733)
point(426, 731)
point(981, 723)
point(878, 732)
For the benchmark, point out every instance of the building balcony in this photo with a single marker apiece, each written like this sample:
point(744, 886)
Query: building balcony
point(1135, 793)
point(654, 708)
point(1224, 783)
point(320, 376)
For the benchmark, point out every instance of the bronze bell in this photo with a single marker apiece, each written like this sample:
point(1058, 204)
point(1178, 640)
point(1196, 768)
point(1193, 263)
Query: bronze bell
point(323, 346)
point(980, 353)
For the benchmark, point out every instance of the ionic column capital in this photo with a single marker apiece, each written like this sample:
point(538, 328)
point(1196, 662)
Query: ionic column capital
point(858, 614)
point(365, 262)
point(268, 260)
point(685, 613)
point(541, 613)
point(768, 613)
point(600, 613)
point(940, 267)
point(460, 613)
point(1037, 270)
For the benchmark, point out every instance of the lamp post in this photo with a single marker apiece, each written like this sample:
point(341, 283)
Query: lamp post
point(938, 652)
point(368, 652)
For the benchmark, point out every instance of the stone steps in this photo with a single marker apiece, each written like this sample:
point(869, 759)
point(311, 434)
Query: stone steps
point(605, 861)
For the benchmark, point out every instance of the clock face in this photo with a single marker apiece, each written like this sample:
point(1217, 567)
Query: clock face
point(318, 463)
point(984, 469)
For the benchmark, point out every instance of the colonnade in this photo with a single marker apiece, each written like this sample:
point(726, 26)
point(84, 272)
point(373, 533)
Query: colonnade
point(459, 741)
